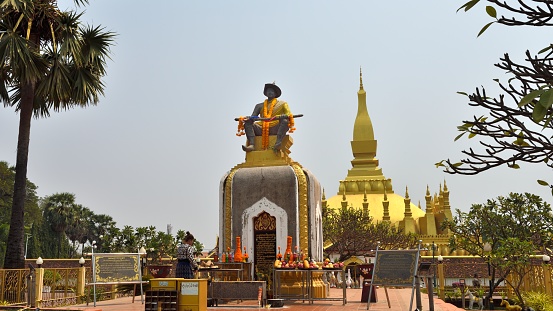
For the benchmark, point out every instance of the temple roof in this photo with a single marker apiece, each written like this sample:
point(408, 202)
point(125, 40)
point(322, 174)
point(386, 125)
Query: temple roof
point(376, 210)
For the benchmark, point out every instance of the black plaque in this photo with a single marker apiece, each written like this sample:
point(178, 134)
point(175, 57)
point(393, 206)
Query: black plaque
point(265, 248)
point(265, 254)
point(395, 267)
point(117, 268)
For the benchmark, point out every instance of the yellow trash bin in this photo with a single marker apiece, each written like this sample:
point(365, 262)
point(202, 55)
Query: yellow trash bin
point(192, 294)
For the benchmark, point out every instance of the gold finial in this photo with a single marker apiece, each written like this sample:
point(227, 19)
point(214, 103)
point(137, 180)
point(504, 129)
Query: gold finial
point(360, 78)
point(406, 193)
point(427, 190)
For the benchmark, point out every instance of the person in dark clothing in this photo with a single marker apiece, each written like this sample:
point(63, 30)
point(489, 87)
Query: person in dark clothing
point(186, 265)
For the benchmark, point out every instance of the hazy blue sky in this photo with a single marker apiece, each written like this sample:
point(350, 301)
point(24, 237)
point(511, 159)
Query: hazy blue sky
point(155, 148)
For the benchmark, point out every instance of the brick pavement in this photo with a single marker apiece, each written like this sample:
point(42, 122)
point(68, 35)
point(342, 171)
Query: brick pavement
point(399, 301)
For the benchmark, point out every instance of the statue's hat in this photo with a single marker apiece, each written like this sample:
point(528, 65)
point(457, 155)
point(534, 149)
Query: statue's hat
point(274, 87)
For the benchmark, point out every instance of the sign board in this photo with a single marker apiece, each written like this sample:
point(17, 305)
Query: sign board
point(395, 267)
point(189, 288)
point(118, 267)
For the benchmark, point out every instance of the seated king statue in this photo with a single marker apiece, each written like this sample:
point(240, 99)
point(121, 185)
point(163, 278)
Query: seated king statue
point(271, 117)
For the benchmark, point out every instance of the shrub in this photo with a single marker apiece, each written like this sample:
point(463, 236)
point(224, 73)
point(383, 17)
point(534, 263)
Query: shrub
point(538, 301)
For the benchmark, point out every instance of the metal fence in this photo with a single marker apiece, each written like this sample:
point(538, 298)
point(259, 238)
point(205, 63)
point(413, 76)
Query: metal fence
point(60, 287)
point(14, 286)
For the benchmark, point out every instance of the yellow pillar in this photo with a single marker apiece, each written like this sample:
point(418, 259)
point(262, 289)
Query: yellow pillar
point(81, 279)
point(441, 280)
point(547, 279)
point(39, 279)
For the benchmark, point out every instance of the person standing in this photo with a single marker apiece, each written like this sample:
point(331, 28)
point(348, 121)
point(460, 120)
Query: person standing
point(186, 265)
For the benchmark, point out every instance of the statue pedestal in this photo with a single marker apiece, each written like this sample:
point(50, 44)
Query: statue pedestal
point(269, 157)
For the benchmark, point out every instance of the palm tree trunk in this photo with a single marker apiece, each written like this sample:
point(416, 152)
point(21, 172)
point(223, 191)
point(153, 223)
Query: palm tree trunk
point(15, 256)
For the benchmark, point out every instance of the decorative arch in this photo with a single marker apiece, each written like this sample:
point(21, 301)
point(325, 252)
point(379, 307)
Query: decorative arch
point(263, 205)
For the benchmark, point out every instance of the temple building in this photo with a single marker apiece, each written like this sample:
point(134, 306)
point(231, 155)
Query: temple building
point(366, 187)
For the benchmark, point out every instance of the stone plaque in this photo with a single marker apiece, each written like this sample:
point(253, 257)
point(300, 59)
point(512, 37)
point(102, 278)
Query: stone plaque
point(395, 267)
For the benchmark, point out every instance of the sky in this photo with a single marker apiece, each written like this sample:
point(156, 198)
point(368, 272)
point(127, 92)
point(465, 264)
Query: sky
point(153, 151)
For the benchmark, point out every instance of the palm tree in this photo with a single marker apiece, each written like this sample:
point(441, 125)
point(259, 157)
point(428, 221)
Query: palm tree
point(78, 230)
point(60, 212)
point(48, 62)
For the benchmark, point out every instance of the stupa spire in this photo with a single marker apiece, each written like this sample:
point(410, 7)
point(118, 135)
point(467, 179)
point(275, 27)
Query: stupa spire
point(363, 147)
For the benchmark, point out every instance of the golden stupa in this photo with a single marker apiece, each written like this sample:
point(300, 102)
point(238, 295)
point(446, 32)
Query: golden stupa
point(365, 186)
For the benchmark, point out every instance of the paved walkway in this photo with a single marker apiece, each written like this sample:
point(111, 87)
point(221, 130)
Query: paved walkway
point(399, 301)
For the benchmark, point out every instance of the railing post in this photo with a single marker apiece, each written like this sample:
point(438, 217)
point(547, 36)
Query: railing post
point(39, 280)
point(547, 279)
point(81, 279)
point(31, 287)
point(441, 280)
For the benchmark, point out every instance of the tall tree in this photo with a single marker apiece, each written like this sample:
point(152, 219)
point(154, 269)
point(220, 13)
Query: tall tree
point(59, 212)
point(49, 62)
point(78, 229)
point(515, 228)
point(518, 125)
point(352, 233)
point(32, 212)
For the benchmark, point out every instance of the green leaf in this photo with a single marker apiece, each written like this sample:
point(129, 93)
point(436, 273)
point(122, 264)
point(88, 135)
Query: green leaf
point(491, 11)
point(547, 99)
point(530, 97)
point(545, 49)
point(546, 123)
point(467, 6)
point(441, 163)
point(514, 166)
point(484, 28)
point(457, 164)
point(471, 135)
point(520, 142)
point(539, 110)
point(459, 136)
point(463, 127)
point(463, 93)
point(543, 183)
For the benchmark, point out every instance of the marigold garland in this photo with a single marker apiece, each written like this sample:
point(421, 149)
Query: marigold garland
point(240, 127)
point(265, 127)
point(291, 127)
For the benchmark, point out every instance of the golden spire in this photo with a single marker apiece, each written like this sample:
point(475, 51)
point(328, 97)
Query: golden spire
point(407, 201)
point(360, 79)
point(363, 146)
point(428, 198)
point(386, 210)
